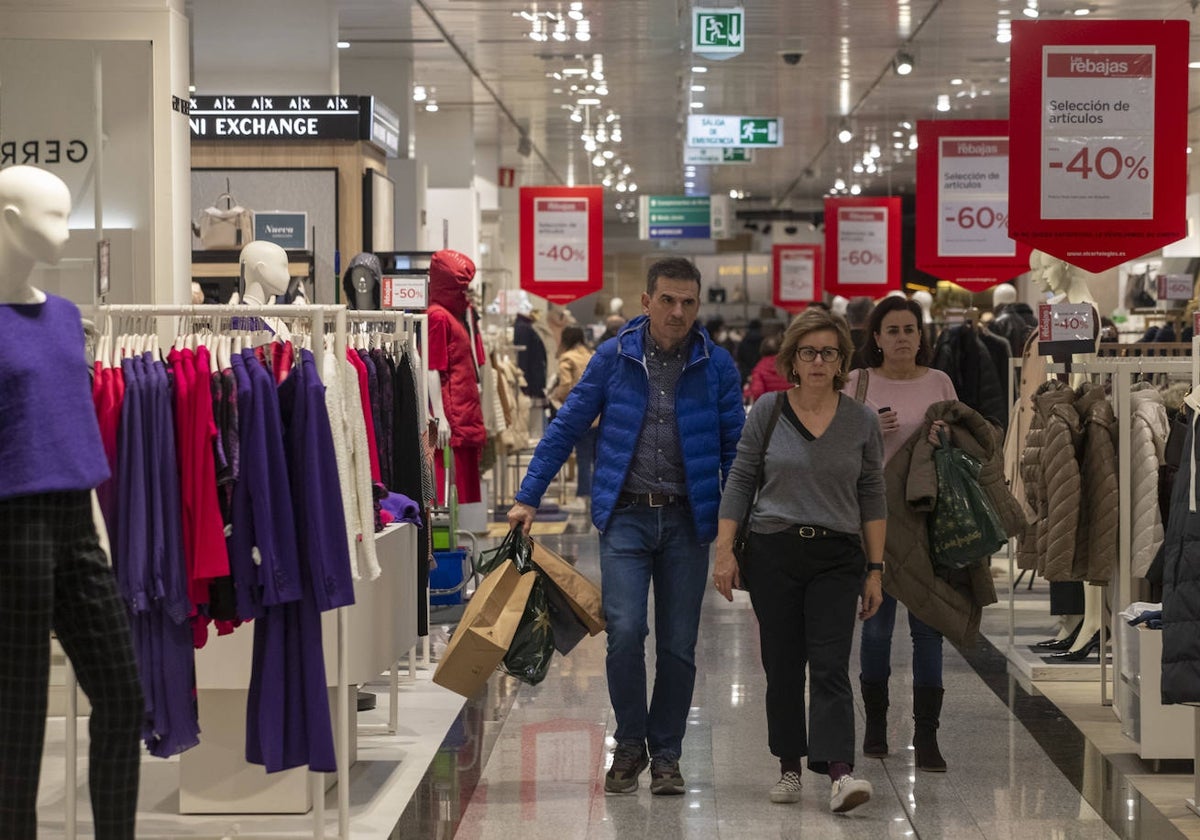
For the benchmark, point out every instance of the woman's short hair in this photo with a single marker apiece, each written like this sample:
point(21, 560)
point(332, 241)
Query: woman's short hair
point(812, 320)
point(872, 355)
point(571, 337)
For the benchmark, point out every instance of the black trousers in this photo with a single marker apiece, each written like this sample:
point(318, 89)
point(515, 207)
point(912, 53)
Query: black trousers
point(805, 595)
point(54, 575)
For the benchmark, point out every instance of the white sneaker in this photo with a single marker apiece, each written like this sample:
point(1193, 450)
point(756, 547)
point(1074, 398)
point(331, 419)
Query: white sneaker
point(787, 789)
point(848, 793)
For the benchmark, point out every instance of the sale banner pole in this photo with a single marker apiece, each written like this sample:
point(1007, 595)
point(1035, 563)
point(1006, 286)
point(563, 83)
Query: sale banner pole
point(1099, 138)
point(862, 240)
point(962, 204)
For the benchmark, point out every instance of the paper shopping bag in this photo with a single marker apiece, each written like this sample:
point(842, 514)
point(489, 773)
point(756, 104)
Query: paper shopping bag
point(485, 631)
point(580, 593)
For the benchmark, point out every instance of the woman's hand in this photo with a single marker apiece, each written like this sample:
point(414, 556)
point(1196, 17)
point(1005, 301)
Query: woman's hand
point(934, 428)
point(872, 595)
point(889, 421)
point(726, 576)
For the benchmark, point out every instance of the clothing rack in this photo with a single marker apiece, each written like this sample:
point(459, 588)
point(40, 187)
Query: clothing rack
point(1123, 371)
point(413, 323)
point(319, 317)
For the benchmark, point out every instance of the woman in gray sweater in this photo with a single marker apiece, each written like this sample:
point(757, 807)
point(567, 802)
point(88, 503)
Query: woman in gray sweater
point(817, 527)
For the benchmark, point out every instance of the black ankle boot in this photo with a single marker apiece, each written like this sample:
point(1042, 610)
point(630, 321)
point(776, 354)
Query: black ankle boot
point(875, 701)
point(927, 712)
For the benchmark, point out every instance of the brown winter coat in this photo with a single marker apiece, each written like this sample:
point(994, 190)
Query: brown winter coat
point(1096, 539)
point(953, 607)
point(1052, 484)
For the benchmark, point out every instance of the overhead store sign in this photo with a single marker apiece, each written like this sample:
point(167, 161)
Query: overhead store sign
point(715, 156)
point(683, 217)
point(294, 117)
point(562, 241)
point(797, 275)
point(862, 239)
point(716, 130)
point(962, 203)
point(1099, 138)
point(718, 33)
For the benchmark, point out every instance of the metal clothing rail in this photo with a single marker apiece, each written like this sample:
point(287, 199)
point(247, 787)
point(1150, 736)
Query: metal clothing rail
point(1123, 370)
point(418, 324)
point(319, 316)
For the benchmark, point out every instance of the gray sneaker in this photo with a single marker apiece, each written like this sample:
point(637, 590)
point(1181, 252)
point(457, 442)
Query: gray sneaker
point(848, 793)
point(629, 760)
point(787, 790)
point(665, 778)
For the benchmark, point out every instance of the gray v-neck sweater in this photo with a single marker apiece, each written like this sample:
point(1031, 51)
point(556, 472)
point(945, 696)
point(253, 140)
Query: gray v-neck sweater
point(834, 481)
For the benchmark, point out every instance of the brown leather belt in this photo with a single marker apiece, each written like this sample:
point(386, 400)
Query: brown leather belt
point(653, 500)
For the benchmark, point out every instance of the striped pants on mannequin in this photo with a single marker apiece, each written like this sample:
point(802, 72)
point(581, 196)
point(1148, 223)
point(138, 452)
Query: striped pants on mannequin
point(54, 576)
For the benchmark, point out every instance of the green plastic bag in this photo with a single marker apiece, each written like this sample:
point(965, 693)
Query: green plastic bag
point(964, 529)
point(528, 657)
point(515, 546)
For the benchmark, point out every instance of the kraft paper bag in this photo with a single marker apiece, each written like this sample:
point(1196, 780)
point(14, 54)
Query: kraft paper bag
point(486, 630)
point(580, 593)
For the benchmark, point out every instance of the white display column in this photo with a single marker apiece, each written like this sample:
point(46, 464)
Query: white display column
point(145, 194)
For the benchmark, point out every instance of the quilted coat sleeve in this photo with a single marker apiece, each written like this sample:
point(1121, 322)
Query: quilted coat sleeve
point(1098, 473)
point(1060, 471)
point(1147, 438)
point(729, 406)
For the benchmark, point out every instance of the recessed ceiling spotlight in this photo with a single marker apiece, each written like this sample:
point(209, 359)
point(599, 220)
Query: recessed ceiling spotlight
point(343, 45)
point(698, 88)
point(956, 81)
point(699, 68)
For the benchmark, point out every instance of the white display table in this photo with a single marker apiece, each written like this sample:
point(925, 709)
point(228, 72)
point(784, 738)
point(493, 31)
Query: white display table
point(214, 776)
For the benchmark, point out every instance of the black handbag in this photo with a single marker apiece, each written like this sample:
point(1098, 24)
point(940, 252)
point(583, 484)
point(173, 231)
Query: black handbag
point(742, 537)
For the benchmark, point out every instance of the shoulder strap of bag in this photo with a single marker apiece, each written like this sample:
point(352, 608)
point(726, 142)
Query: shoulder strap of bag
point(864, 379)
point(776, 410)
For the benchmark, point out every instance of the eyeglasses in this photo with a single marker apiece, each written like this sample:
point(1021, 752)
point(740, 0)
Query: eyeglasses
point(827, 354)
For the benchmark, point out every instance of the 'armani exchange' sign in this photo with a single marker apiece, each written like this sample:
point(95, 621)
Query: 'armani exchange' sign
point(314, 117)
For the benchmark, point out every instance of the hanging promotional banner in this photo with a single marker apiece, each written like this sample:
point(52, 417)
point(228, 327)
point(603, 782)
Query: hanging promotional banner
point(1099, 138)
point(962, 204)
point(562, 241)
point(862, 239)
point(797, 276)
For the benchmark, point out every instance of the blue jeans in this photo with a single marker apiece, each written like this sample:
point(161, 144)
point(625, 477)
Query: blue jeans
point(585, 460)
point(640, 545)
point(875, 652)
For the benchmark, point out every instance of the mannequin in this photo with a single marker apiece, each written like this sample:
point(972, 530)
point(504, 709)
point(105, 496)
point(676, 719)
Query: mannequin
point(838, 305)
point(1065, 282)
point(265, 268)
point(453, 384)
point(54, 573)
point(1002, 296)
point(924, 300)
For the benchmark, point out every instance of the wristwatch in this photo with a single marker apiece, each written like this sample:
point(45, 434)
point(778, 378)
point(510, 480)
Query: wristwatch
point(875, 567)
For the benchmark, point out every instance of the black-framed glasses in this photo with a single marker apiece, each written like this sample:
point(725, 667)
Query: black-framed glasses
point(827, 354)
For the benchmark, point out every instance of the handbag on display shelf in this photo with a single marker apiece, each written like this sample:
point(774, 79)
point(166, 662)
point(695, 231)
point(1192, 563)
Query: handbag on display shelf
point(742, 537)
point(224, 229)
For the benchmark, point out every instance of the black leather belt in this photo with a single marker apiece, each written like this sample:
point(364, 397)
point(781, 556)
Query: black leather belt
point(653, 500)
point(816, 532)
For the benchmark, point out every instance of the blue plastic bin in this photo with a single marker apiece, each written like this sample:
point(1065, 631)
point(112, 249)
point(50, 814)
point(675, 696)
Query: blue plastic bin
point(446, 581)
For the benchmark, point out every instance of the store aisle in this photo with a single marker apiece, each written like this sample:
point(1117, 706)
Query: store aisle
point(543, 777)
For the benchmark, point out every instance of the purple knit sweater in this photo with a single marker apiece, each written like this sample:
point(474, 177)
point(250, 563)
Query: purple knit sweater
point(49, 437)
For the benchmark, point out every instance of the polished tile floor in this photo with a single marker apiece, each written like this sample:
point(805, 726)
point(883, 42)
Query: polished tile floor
point(1041, 761)
point(1017, 764)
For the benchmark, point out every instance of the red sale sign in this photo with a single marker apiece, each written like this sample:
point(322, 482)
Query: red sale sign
point(1099, 138)
point(962, 204)
point(797, 275)
point(862, 239)
point(562, 241)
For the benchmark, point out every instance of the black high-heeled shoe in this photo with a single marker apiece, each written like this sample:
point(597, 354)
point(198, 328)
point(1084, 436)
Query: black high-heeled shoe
point(1063, 643)
point(1080, 654)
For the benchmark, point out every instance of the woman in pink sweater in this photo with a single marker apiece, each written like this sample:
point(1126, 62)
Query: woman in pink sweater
point(900, 388)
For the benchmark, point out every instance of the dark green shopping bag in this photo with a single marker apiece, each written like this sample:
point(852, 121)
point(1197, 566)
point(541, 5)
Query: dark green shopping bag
point(964, 528)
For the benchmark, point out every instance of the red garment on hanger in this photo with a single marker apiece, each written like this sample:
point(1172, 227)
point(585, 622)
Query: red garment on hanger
point(364, 394)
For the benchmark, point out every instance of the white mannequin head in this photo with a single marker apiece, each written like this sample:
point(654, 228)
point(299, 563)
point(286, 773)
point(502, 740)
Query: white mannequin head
point(1059, 277)
point(838, 305)
point(1003, 295)
point(34, 208)
point(924, 300)
point(265, 268)
point(616, 307)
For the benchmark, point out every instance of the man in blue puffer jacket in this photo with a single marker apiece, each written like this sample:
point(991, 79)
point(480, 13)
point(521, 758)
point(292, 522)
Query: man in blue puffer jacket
point(670, 410)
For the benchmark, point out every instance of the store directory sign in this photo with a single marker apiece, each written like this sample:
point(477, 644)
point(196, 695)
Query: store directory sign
point(1099, 138)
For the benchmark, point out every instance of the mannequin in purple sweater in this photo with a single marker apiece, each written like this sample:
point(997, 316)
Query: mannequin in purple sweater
point(53, 573)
